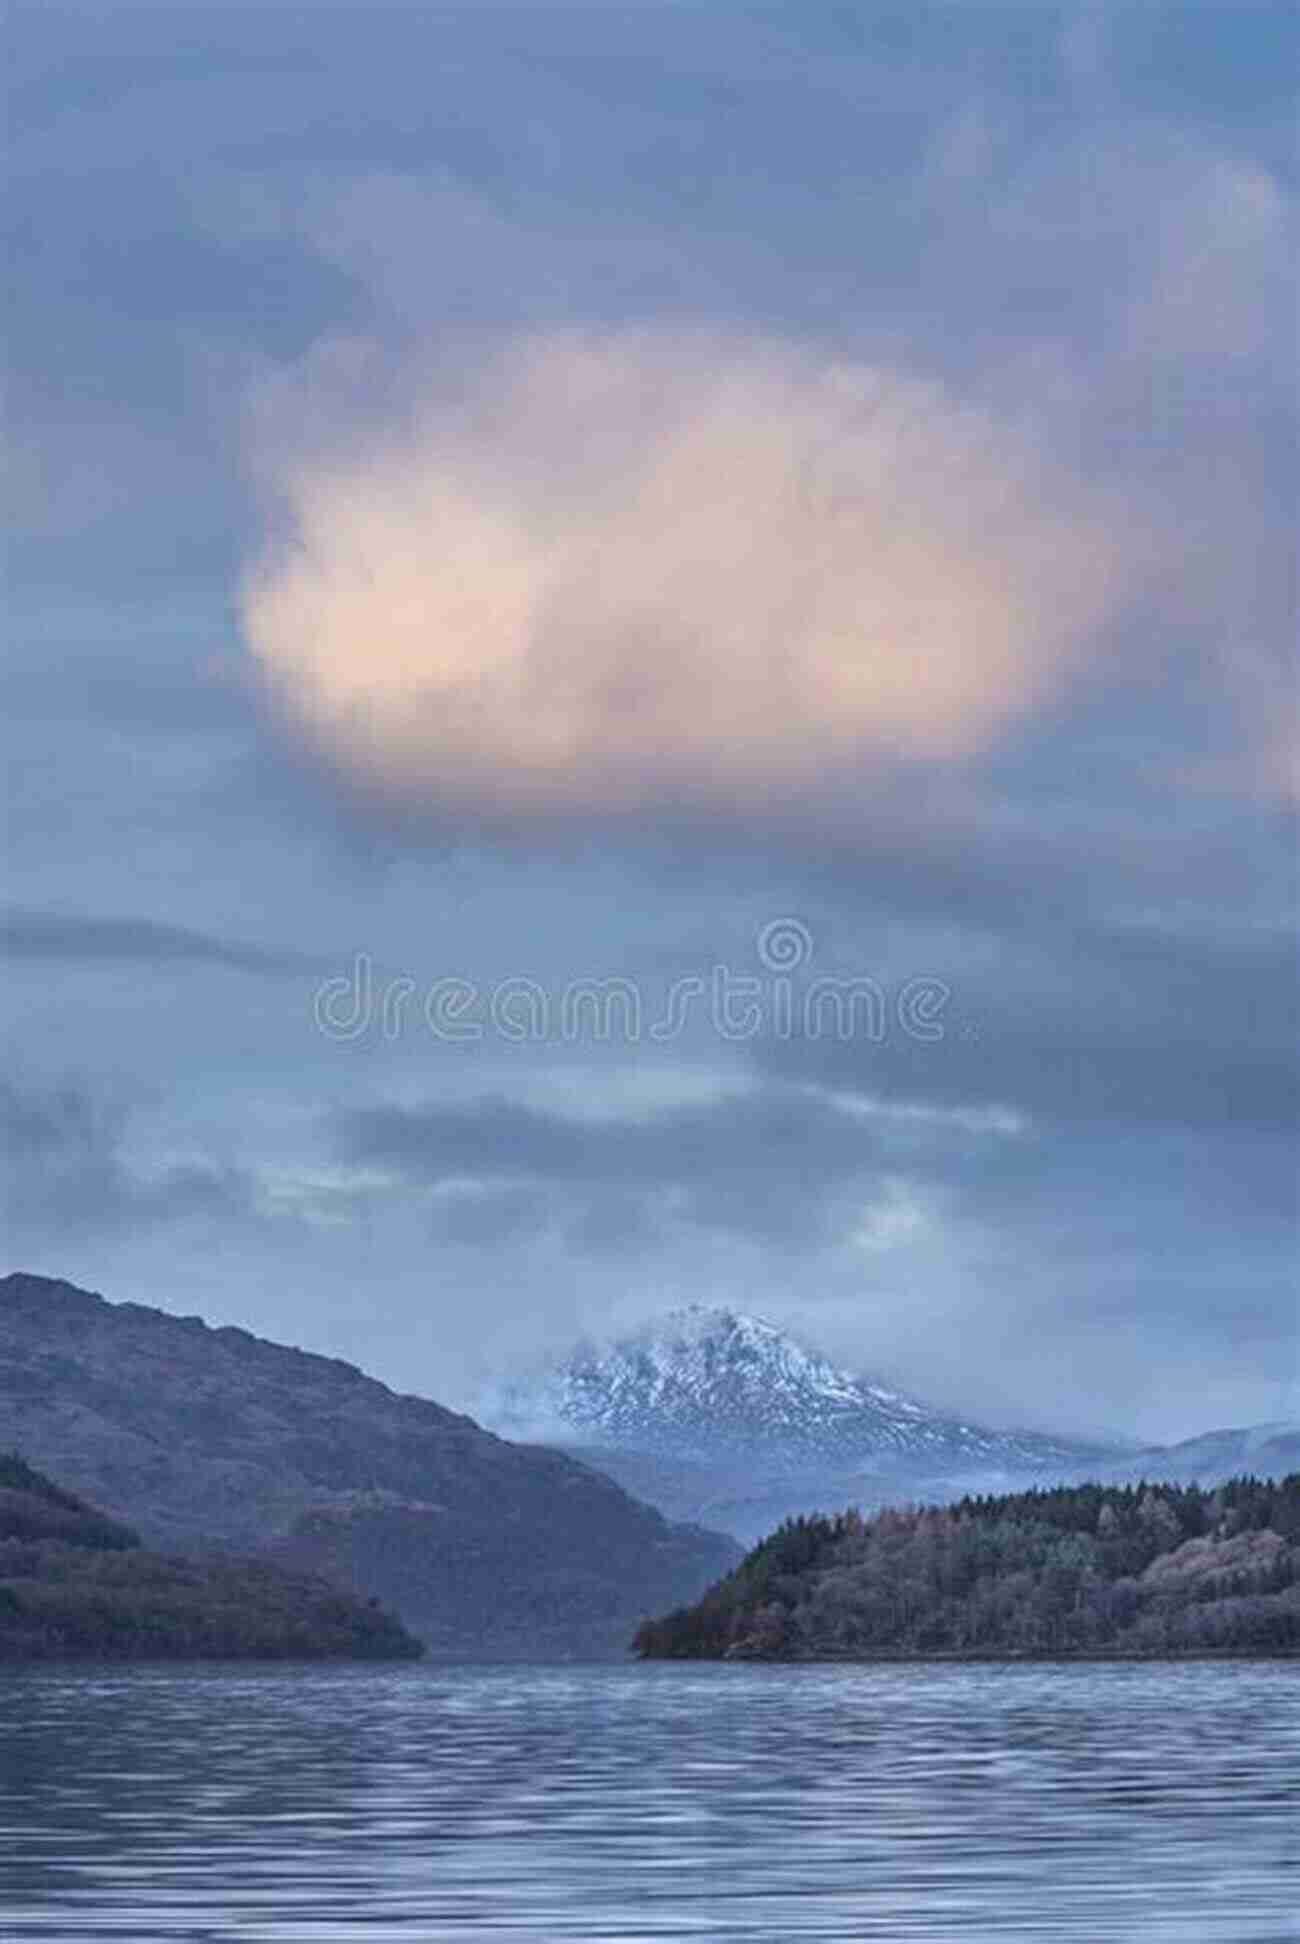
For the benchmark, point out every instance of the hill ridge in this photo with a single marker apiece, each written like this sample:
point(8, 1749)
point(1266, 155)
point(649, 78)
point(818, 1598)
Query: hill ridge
point(215, 1436)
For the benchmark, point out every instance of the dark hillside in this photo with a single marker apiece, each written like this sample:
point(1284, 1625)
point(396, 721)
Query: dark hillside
point(202, 1437)
point(76, 1585)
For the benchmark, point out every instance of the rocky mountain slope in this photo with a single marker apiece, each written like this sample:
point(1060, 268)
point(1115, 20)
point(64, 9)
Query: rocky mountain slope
point(704, 1383)
point(200, 1436)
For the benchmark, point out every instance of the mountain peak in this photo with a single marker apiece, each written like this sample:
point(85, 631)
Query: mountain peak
point(706, 1355)
point(709, 1380)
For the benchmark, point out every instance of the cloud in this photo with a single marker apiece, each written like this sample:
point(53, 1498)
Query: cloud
point(1053, 252)
point(475, 1215)
point(786, 1166)
point(1108, 1025)
point(47, 935)
point(1059, 1270)
point(656, 567)
point(69, 1174)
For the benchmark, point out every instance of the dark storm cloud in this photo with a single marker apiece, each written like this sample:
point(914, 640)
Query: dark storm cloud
point(1103, 1024)
point(770, 1164)
point(784, 1162)
point(79, 940)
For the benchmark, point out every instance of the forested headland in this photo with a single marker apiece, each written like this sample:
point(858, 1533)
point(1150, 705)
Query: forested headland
point(1080, 1570)
point(75, 1584)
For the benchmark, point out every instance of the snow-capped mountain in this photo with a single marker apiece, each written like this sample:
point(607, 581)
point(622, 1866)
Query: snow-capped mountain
point(704, 1384)
point(723, 1420)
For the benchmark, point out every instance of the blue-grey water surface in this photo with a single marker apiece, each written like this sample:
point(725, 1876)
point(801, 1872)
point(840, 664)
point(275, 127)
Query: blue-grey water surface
point(646, 1802)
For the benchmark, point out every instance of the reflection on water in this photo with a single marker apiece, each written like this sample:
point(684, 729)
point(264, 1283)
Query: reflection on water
point(437, 1804)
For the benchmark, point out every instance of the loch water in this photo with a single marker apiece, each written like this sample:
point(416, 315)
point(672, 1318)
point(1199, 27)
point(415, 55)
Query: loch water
point(430, 1804)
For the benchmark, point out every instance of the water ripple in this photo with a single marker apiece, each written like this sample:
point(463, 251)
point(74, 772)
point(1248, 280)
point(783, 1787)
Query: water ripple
point(1067, 1805)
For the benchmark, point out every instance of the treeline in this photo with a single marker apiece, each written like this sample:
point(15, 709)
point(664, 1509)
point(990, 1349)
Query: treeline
point(1078, 1569)
point(77, 1585)
point(32, 1506)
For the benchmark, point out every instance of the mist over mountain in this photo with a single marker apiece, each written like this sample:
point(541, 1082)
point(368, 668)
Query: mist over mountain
point(206, 1438)
point(705, 1382)
point(719, 1416)
point(1266, 1450)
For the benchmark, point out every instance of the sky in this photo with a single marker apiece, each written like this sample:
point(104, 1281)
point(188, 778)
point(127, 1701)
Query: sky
point(650, 661)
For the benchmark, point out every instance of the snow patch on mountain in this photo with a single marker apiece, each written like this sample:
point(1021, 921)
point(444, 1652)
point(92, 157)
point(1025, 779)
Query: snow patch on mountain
point(706, 1382)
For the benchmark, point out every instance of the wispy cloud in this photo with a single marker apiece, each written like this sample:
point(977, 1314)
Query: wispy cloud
point(68, 1172)
point(784, 1165)
point(73, 938)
